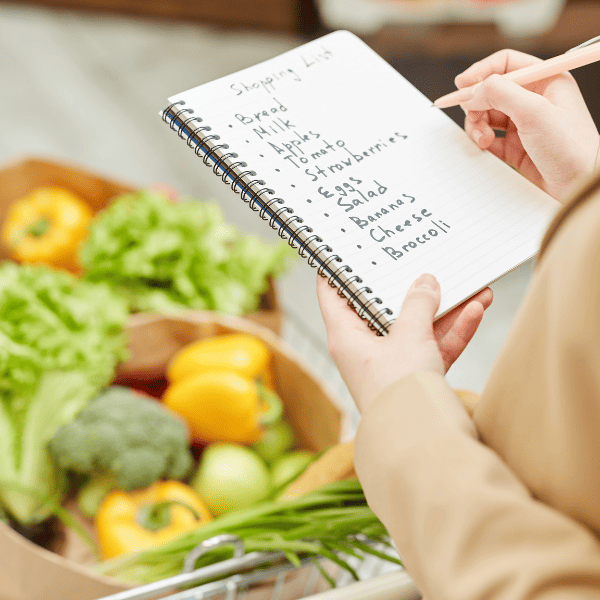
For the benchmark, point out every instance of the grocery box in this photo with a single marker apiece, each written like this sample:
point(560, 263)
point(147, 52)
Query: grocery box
point(30, 572)
point(21, 176)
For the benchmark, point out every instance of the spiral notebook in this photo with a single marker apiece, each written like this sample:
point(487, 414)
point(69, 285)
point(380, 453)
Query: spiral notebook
point(354, 167)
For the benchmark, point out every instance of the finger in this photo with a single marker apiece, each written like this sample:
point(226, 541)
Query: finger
point(500, 62)
point(481, 133)
point(498, 149)
point(419, 307)
point(475, 115)
point(443, 325)
point(487, 137)
point(498, 119)
point(511, 151)
point(485, 297)
point(462, 331)
point(509, 148)
point(337, 315)
point(472, 131)
point(527, 110)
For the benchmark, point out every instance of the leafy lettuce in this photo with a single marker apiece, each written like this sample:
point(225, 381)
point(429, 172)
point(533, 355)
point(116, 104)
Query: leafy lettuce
point(168, 256)
point(60, 341)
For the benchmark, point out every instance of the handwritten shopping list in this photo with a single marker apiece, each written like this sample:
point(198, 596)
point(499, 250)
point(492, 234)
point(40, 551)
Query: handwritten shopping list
point(390, 184)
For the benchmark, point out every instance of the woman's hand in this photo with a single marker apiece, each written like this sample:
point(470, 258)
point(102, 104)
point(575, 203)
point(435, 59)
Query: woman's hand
point(550, 136)
point(369, 363)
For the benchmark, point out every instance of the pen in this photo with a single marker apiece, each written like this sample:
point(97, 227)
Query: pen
point(585, 54)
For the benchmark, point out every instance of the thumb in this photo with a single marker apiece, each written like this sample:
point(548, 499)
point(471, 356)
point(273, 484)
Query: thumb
point(527, 110)
point(420, 305)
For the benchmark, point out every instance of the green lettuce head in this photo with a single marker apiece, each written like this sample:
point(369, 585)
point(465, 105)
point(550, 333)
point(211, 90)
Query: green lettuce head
point(60, 341)
point(165, 256)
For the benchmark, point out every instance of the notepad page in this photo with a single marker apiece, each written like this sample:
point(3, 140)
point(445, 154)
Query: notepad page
point(392, 184)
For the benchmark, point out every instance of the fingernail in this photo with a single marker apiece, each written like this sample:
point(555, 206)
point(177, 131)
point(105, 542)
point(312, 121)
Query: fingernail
point(427, 280)
point(477, 136)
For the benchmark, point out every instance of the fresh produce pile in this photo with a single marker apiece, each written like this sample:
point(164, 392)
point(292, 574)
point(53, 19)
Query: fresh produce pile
point(128, 459)
point(222, 387)
point(154, 476)
point(160, 255)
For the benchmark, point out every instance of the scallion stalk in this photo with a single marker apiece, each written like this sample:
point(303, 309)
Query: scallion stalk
point(330, 522)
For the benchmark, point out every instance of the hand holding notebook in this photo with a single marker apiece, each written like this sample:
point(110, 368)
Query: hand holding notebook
point(349, 162)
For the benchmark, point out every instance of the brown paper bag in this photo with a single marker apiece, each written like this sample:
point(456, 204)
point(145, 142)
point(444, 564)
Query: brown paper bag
point(29, 572)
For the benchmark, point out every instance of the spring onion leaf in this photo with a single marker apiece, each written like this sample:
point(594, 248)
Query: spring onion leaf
point(330, 522)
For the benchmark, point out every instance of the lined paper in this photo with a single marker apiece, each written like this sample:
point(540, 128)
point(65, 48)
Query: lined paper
point(393, 185)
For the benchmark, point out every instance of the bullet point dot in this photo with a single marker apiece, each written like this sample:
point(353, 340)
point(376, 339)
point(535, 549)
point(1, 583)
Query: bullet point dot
point(309, 200)
point(326, 215)
point(343, 231)
point(373, 262)
point(293, 185)
point(359, 247)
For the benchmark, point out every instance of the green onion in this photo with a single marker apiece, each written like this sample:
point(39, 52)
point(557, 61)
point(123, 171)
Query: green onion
point(330, 522)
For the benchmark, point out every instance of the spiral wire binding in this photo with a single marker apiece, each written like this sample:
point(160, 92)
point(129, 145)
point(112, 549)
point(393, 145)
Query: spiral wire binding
point(273, 210)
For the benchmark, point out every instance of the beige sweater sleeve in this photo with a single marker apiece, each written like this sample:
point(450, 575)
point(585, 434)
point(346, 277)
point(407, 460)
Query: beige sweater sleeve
point(465, 526)
point(510, 512)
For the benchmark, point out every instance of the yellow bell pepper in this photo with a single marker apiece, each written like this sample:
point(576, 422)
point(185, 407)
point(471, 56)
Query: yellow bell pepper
point(236, 352)
point(223, 406)
point(46, 226)
point(132, 521)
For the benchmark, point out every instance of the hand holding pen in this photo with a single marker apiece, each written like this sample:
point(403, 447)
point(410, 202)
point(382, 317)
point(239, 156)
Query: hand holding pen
point(550, 136)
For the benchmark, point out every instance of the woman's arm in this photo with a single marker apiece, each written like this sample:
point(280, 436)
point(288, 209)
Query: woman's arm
point(465, 526)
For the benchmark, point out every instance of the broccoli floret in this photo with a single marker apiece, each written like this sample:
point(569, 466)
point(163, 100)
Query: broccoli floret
point(121, 440)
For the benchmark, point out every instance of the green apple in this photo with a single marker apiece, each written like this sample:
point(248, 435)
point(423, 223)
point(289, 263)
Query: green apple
point(289, 466)
point(276, 440)
point(231, 476)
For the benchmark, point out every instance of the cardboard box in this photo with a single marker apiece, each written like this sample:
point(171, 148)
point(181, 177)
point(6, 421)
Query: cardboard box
point(20, 177)
point(29, 572)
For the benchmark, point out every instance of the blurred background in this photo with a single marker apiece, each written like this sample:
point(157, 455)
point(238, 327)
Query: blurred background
point(83, 81)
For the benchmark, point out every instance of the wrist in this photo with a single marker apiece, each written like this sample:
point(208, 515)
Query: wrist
point(375, 381)
point(418, 398)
